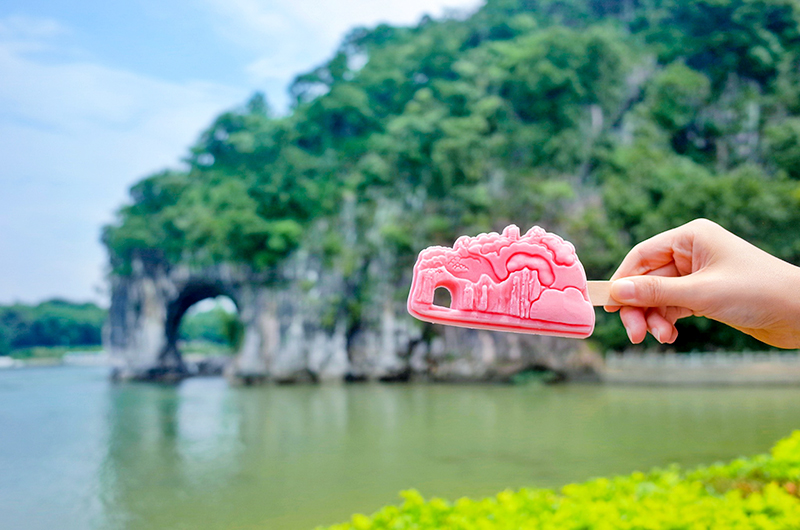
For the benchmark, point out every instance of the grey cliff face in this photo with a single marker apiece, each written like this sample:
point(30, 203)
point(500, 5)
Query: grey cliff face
point(309, 322)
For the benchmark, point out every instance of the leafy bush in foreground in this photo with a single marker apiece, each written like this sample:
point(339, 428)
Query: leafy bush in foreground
point(754, 493)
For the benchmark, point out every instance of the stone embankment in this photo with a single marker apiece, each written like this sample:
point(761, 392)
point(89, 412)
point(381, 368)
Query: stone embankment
point(762, 368)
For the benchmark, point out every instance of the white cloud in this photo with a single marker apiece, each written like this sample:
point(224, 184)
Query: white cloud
point(255, 22)
point(73, 137)
point(20, 28)
point(289, 38)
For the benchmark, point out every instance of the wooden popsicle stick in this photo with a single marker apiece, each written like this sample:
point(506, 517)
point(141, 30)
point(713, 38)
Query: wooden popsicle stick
point(600, 292)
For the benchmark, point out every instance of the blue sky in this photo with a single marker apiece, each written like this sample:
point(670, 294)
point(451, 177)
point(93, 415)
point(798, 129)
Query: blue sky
point(95, 95)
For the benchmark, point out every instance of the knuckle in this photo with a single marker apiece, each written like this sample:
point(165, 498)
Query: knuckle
point(652, 292)
point(703, 224)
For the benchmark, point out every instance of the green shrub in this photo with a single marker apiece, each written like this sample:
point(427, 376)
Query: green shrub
point(757, 493)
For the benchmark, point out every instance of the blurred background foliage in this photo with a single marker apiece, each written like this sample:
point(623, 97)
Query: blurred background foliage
point(54, 327)
point(50, 323)
point(604, 121)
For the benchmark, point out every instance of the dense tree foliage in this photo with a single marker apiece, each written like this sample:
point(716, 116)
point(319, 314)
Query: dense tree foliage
point(606, 122)
point(51, 323)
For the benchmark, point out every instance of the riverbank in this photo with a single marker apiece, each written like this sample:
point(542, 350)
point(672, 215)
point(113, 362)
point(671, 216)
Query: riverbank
point(197, 365)
point(702, 369)
point(92, 359)
point(698, 369)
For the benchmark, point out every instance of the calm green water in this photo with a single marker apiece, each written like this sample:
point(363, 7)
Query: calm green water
point(79, 453)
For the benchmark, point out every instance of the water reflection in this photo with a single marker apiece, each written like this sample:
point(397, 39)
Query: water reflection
point(170, 450)
point(206, 456)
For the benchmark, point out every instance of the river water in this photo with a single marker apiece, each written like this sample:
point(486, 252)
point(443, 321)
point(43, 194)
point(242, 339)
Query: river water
point(77, 452)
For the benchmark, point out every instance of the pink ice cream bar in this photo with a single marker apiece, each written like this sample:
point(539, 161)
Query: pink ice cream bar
point(506, 282)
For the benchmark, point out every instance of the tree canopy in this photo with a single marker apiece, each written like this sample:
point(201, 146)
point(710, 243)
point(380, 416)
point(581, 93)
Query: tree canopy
point(51, 323)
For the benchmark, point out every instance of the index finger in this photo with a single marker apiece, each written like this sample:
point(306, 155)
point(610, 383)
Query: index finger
point(651, 255)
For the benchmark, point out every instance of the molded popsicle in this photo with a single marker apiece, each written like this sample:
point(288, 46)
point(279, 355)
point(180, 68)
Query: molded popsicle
point(530, 283)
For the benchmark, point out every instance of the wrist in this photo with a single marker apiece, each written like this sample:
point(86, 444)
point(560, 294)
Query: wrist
point(785, 287)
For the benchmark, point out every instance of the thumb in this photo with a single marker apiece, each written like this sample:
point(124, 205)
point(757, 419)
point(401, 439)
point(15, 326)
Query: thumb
point(655, 291)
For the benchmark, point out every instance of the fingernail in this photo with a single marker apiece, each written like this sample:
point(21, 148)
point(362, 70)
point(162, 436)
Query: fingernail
point(629, 335)
point(657, 335)
point(623, 291)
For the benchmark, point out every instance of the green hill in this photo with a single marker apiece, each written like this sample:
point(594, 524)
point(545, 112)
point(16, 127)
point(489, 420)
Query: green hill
point(605, 122)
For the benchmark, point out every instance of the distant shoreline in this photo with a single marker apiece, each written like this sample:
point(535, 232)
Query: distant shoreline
point(77, 358)
point(697, 369)
point(703, 369)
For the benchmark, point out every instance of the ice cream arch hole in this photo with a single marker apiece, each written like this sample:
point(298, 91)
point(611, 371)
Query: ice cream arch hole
point(442, 297)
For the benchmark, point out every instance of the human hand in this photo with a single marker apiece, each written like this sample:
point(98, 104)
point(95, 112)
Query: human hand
point(702, 269)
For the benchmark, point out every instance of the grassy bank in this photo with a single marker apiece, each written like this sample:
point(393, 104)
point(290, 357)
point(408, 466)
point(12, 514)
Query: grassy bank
point(57, 353)
point(50, 353)
point(749, 493)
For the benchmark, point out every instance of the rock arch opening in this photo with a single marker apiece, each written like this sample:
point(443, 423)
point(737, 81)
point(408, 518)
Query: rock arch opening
point(189, 297)
point(211, 326)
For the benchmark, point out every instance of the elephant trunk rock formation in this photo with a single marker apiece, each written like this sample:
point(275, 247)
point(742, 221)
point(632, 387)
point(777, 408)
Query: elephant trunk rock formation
point(297, 327)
